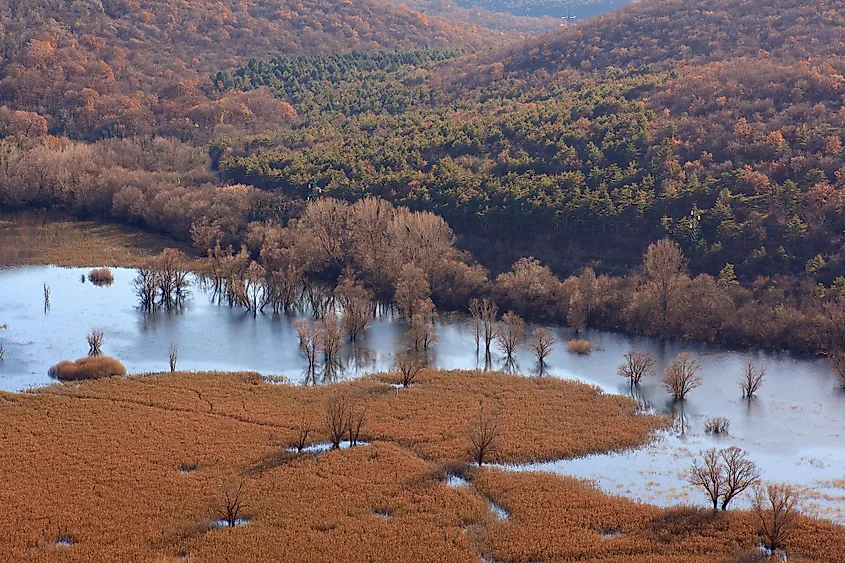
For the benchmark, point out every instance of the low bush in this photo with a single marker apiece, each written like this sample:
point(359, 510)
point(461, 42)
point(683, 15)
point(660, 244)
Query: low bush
point(578, 346)
point(101, 276)
point(91, 367)
point(717, 425)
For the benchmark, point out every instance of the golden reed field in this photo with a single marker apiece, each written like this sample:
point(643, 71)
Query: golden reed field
point(135, 469)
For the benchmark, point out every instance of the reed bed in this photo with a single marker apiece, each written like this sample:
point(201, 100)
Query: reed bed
point(90, 367)
point(103, 462)
point(101, 276)
point(579, 346)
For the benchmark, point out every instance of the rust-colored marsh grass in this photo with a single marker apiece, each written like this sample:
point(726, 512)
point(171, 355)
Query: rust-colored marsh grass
point(579, 346)
point(89, 367)
point(104, 462)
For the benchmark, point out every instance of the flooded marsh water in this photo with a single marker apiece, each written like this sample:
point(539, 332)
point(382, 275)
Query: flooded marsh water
point(794, 429)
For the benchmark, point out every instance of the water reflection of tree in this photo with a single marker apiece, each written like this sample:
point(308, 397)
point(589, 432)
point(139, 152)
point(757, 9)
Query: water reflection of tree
point(637, 394)
point(680, 423)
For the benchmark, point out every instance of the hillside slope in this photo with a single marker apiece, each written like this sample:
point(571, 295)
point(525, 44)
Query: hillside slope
point(95, 69)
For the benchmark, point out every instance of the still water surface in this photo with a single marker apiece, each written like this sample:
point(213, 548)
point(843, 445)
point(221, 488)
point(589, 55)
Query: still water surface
point(794, 429)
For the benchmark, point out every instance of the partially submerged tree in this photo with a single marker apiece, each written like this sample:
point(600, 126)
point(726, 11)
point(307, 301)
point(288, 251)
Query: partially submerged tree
point(357, 305)
point(422, 332)
point(484, 436)
point(484, 314)
point(411, 289)
point(752, 378)
point(776, 507)
point(310, 342)
point(331, 339)
point(541, 343)
point(409, 365)
point(638, 364)
point(680, 376)
point(510, 333)
point(95, 342)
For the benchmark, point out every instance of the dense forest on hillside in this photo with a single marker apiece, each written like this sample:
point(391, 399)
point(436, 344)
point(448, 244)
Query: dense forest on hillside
point(90, 69)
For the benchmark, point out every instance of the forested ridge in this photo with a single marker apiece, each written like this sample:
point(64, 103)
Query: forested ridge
point(89, 69)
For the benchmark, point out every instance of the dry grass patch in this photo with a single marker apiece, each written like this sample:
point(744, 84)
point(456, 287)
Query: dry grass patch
point(90, 367)
point(582, 347)
point(46, 238)
point(555, 518)
point(101, 276)
point(135, 469)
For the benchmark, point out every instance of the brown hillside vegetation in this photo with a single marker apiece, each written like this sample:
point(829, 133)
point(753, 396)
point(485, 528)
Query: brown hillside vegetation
point(118, 67)
point(135, 469)
point(667, 32)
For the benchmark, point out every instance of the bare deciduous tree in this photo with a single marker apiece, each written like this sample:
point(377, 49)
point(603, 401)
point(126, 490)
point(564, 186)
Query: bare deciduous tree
point(411, 289)
point(357, 307)
point(422, 332)
point(483, 436)
point(709, 474)
point(776, 507)
point(740, 473)
point(664, 266)
point(724, 474)
point(95, 342)
point(680, 376)
point(146, 288)
point(484, 314)
point(232, 505)
point(310, 342)
point(752, 378)
point(510, 333)
point(541, 344)
point(331, 339)
point(303, 431)
point(173, 353)
point(576, 314)
point(337, 416)
point(355, 422)
point(409, 365)
point(638, 364)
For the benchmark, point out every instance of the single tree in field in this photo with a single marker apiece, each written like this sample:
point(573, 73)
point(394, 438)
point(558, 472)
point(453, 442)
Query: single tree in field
point(484, 314)
point(510, 333)
point(752, 378)
point(664, 266)
point(303, 431)
point(680, 376)
point(638, 364)
point(708, 473)
point(776, 507)
point(740, 473)
point(338, 413)
point(483, 436)
point(232, 505)
point(173, 354)
point(542, 342)
point(409, 365)
point(355, 422)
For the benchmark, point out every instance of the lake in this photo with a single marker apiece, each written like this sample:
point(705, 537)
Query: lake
point(794, 429)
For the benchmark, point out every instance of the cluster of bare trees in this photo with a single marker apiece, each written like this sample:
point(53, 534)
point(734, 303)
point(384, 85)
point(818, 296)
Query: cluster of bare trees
point(724, 474)
point(508, 333)
point(344, 418)
point(320, 341)
point(162, 283)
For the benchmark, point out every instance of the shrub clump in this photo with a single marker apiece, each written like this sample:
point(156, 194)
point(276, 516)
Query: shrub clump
point(717, 425)
point(101, 276)
point(91, 367)
point(578, 346)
